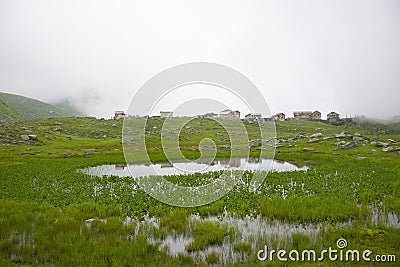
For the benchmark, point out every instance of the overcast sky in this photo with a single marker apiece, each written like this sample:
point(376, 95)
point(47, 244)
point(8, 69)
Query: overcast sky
point(302, 55)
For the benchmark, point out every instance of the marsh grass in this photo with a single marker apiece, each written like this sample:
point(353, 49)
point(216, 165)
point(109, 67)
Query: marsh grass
point(208, 233)
point(45, 202)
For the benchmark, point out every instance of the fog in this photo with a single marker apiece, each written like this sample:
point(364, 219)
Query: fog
point(335, 55)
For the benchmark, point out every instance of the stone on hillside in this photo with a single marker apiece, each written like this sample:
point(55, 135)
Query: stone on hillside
point(316, 135)
point(24, 137)
point(224, 147)
point(300, 136)
point(392, 141)
point(87, 153)
point(381, 144)
point(313, 140)
point(361, 158)
point(358, 138)
point(341, 135)
point(113, 125)
point(349, 145)
point(388, 149)
point(32, 137)
point(68, 155)
point(308, 149)
point(256, 142)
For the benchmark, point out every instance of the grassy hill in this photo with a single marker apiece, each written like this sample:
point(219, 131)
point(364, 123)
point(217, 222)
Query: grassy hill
point(17, 108)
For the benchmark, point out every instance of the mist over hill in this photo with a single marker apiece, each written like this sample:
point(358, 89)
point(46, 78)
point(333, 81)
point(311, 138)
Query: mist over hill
point(16, 108)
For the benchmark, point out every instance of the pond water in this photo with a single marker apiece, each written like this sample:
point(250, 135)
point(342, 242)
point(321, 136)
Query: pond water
point(139, 170)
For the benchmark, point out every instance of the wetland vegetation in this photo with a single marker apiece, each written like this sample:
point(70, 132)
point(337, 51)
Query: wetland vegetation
point(52, 214)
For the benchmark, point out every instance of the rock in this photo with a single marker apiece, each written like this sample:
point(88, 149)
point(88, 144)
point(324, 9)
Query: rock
point(308, 149)
point(313, 140)
point(69, 137)
point(224, 147)
point(58, 129)
point(388, 149)
point(316, 135)
point(192, 148)
point(32, 137)
point(380, 144)
point(358, 138)
point(87, 153)
point(256, 142)
point(68, 155)
point(300, 136)
point(341, 135)
point(392, 141)
point(113, 125)
point(156, 148)
point(24, 137)
point(361, 158)
point(349, 145)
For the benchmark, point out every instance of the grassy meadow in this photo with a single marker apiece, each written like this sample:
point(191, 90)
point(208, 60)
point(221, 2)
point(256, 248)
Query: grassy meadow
point(51, 214)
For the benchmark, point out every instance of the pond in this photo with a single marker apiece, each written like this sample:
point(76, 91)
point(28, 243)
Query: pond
point(139, 170)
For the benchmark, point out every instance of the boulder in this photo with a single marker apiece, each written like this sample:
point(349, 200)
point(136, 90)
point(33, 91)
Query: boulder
point(24, 137)
point(32, 137)
point(349, 145)
point(308, 149)
point(256, 142)
point(392, 141)
point(316, 135)
point(68, 155)
point(381, 144)
point(313, 140)
point(388, 149)
point(300, 136)
point(341, 135)
point(358, 138)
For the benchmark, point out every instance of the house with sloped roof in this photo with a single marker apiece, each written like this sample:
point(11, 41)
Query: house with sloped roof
point(230, 114)
point(119, 114)
point(332, 116)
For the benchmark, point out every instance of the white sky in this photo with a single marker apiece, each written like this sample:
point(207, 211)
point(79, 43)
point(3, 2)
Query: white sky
point(340, 55)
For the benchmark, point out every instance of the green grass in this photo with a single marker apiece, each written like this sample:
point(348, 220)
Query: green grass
point(206, 234)
point(16, 107)
point(43, 197)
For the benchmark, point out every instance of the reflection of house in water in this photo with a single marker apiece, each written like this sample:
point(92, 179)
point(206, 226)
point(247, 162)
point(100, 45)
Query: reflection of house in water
point(166, 165)
point(234, 162)
point(253, 160)
point(120, 167)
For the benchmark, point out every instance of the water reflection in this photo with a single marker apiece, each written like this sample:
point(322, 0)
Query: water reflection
point(168, 168)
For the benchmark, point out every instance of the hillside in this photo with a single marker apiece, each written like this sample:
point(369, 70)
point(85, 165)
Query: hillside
point(17, 108)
